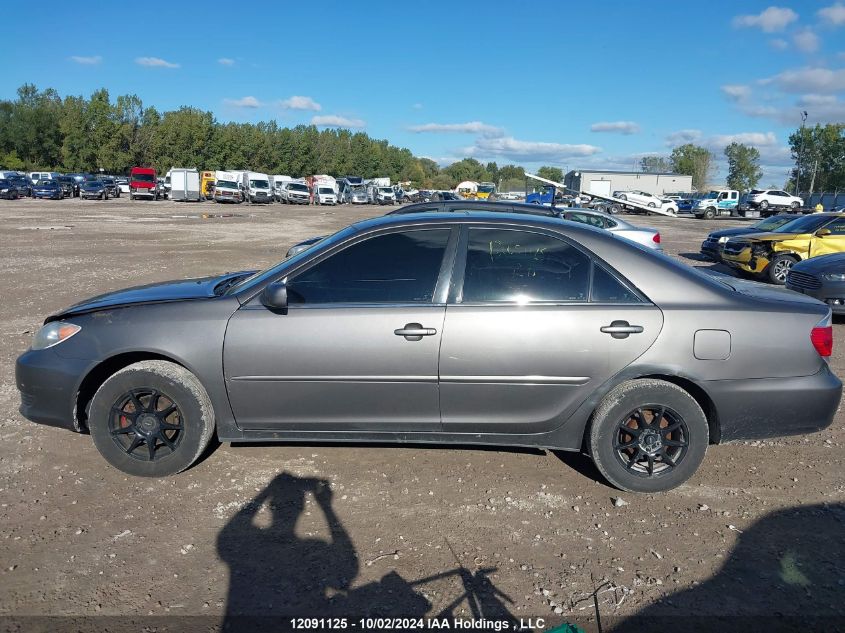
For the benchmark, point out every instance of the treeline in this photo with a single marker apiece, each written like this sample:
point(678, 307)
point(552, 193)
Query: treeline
point(40, 130)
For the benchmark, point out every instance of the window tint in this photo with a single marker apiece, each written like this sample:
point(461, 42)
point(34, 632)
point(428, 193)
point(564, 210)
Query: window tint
point(392, 268)
point(519, 266)
point(837, 227)
point(608, 289)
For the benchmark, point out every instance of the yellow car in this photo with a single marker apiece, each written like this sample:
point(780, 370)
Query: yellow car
point(771, 255)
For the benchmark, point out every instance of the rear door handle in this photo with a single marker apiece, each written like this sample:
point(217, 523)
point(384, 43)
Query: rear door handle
point(621, 329)
point(414, 331)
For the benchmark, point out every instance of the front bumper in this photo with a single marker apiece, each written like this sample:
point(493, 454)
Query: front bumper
point(48, 384)
point(711, 250)
point(773, 407)
point(146, 193)
point(85, 195)
point(831, 292)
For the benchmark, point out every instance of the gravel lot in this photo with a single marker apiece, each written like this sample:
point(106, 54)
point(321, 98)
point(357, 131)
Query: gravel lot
point(345, 530)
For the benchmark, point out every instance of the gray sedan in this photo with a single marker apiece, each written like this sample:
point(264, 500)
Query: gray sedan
point(448, 328)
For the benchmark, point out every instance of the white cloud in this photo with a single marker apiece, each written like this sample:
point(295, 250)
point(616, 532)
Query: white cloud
point(225, 61)
point(682, 137)
point(746, 138)
point(301, 103)
point(333, 120)
point(834, 14)
point(620, 127)
point(509, 147)
point(779, 44)
point(88, 61)
point(770, 20)
point(472, 127)
point(806, 41)
point(155, 62)
point(803, 80)
point(736, 92)
point(244, 102)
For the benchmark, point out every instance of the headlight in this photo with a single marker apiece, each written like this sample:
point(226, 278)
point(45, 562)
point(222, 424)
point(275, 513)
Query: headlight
point(722, 240)
point(834, 276)
point(53, 334)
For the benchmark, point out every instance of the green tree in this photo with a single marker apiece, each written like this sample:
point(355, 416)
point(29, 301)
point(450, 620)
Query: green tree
point(655, 164)
point(743, 166)
point(819, 153)
point(466, 169)
point(693, 160)
point(551, 173)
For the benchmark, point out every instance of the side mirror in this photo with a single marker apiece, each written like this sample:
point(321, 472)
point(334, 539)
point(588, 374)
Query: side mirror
point(822, 232)
point(275, 296)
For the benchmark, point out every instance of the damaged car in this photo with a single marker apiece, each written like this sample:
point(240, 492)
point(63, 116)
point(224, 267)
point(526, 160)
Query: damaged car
point(770, 256)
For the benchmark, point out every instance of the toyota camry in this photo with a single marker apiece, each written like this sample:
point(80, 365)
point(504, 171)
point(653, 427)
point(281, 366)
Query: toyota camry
point(446, 328)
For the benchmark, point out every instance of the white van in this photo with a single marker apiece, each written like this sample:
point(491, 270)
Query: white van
point(277, 181)
point(35, 176)
point(257, 187)
point(226, 188)
point(324, 193)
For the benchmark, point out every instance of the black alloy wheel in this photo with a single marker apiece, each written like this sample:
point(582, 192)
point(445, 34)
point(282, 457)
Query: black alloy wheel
point(146, 424)
point(651, 440)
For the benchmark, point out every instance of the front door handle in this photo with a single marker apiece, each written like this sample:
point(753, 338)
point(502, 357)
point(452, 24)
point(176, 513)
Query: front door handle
point(414, 331)
point(621, 329)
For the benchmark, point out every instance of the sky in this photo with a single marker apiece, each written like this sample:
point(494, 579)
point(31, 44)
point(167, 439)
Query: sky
point(576, 85)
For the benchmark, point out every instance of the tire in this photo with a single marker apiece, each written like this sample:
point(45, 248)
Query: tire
point(192, 422)
point(764, 204)
point(778, 268)
point(622, 197)
point(615, 209)
point(709, 213)
point(618, 411)
point(651, 205)
point(131, 196)
point(794, 206)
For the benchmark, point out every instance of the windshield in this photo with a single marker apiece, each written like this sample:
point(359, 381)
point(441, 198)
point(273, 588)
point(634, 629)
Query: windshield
point(770, 224)
point(486, 188)
point(226, 183)
point(92, 183)
point(385, 190)
point(143, 177)
point(807, 224)
point(712, 194)
point(326, 190)
point(259, 184)
point(296, 186)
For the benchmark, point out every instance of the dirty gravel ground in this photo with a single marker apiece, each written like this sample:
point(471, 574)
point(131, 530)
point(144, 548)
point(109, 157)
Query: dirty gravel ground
point(346, 530)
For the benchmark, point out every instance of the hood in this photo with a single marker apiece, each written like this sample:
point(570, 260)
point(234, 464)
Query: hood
point(181, 290)
point(740, 230)
point(834, 263)
point(774, 237)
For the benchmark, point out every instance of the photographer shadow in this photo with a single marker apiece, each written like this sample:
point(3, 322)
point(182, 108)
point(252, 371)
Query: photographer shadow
point(276, 575)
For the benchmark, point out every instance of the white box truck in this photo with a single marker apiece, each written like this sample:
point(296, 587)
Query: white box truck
point(226, 187)
point(257, 187)
point(184, 185)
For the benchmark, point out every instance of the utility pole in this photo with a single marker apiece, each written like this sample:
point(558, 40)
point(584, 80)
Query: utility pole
point(800, 153)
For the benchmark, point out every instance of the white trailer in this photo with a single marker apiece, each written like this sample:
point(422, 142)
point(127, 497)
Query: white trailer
point(184, 184)
point(616, 204)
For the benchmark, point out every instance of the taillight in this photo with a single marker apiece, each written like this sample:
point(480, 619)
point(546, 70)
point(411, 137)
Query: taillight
point(656, 238)
point(821, 337)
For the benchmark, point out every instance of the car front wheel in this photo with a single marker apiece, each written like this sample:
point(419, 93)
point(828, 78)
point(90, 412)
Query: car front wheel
point(779, 268)
point(151, 419)
point(648, 435)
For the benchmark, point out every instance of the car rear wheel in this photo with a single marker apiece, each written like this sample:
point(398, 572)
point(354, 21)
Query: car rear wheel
point(651, 205)
point(623, 196)
point(764, 204)
point(779, 268)
point(795, 205)
point(151, 419)
point(648, 435)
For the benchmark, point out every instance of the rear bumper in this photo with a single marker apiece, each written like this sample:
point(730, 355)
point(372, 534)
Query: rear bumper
point(773, 407)
point(48, 384)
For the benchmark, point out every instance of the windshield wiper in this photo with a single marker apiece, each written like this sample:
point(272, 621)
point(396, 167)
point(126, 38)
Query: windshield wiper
point(221, 288)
